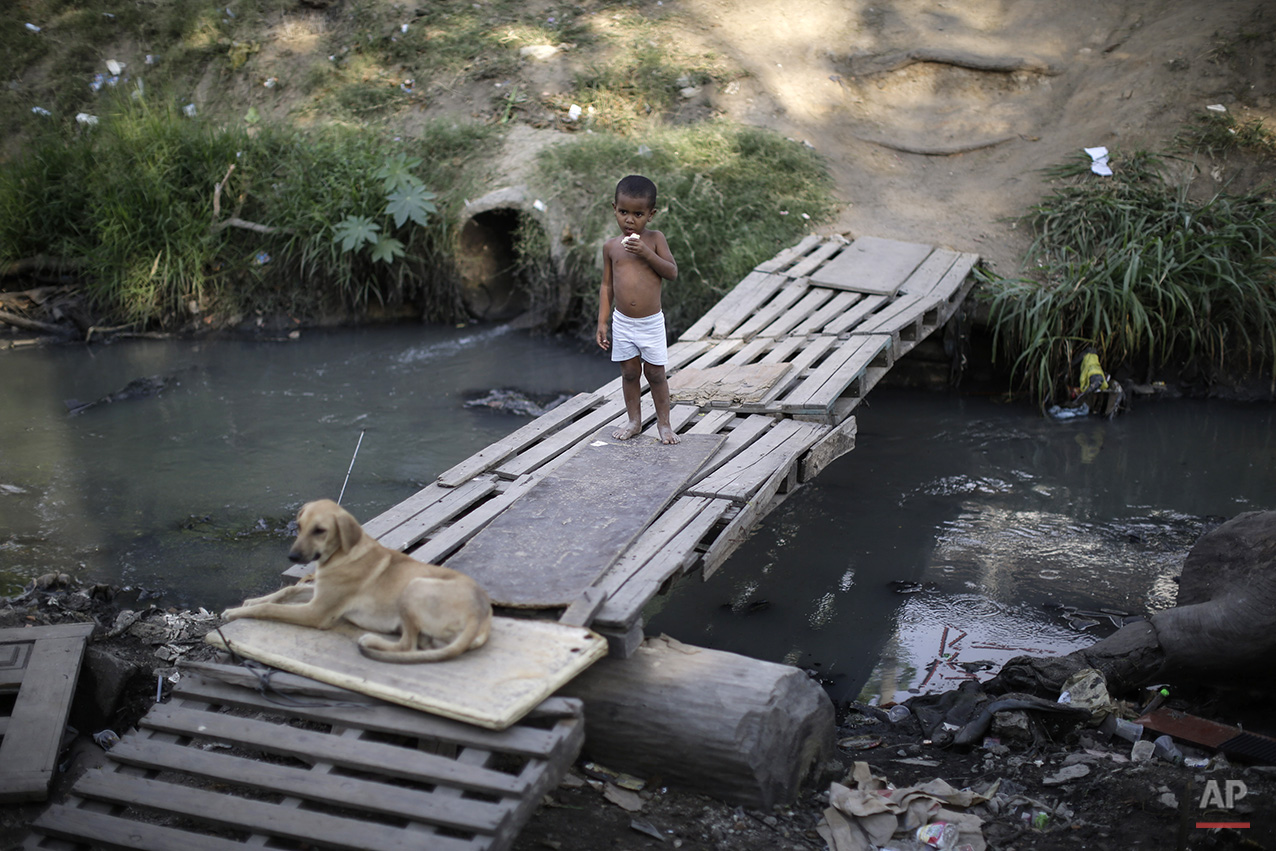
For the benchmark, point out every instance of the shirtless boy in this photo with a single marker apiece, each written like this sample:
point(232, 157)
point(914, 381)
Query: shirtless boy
point(634, 265)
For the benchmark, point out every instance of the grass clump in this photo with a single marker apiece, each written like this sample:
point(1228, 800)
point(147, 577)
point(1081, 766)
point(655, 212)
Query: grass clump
point(730, 198)
point(133, 198)
point(1129, 265)
point(1217, 134)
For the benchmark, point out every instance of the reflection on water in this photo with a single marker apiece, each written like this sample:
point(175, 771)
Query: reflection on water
point(959, 533)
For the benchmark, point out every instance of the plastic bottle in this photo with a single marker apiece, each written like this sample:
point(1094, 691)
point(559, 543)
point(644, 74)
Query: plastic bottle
point(1164, 747)
point(1142, 751)
point(897, 713)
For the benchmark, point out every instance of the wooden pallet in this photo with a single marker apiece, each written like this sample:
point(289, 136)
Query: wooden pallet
point(227, 764)
point(38, 670)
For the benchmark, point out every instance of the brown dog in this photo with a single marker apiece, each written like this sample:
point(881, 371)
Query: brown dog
point(376, 588)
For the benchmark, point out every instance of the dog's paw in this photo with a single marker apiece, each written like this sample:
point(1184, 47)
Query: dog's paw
point(232, 614)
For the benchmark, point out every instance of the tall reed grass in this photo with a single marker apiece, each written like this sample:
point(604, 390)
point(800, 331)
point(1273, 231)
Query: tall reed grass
point(134, 197)
point(1131, 266)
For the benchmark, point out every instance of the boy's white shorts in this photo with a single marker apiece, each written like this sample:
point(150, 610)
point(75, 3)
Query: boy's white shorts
point(632, 337)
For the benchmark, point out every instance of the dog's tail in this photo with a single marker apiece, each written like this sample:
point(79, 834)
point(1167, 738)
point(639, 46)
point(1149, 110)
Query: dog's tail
point(473, 636)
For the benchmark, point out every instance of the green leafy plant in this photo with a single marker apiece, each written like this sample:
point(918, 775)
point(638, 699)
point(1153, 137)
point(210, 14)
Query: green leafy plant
point(406, 198)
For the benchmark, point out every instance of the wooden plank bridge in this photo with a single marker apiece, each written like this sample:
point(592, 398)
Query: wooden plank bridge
point(560, 519)
point(763, 385)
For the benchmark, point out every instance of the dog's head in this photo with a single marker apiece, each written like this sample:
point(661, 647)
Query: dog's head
point(323, 530)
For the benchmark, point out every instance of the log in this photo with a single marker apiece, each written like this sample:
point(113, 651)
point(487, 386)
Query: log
point(738, 729)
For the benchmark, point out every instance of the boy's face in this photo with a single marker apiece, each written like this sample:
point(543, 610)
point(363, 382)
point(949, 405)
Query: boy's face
point(633, 214)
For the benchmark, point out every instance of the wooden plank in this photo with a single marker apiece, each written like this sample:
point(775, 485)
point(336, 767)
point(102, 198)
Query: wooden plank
point(929, 273)
point(777, 450)
point(815, 259)
point(772, 310)
point(562, 441)
point(872, 265)
point(810, 353)
point(519, 439)
point(822, 395)
point(234, 686)
point(711, 422)
point(954, 280)
point(903, 311)
point(103, 830)
point(744, 302)
point(789, 255)
point(451, 538)
point(46, 660)
point(848, 320)
point(654, 539)
point(738, 529)
point(625, 604)
point(851, 356)
point(523, 662)
point(330, 789)
point(456, 501)
point(828, 449)
point(245, 814)
point(704, 326)
point(744, 431)
point(841, 302)
point(565, 531)
point(813, 300)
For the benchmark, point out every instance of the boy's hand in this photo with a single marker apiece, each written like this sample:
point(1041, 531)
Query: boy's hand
point(604, 338)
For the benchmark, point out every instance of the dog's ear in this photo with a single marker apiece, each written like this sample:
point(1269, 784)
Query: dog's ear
point(348, 529)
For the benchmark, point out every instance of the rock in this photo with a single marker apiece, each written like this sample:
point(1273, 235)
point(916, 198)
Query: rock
point(105, 676)
point(538, 51)
point(1069, 772)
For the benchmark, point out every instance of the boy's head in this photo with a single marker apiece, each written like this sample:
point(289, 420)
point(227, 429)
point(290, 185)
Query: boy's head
point(639, 188)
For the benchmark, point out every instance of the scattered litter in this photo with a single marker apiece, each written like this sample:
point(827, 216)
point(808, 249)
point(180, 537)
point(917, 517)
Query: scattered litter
point(33, 28)
point(403, 28)
point(86, 119)
point(1060, 413)
point(647, 828)
point(615, 778)
point(262, 258)
point(573, 112)
point(539, 205)
point(623, 798)
point(152, 58)
point(407, 86)
point(189, 110)
point(876, 811)
point(116, 68)
point(39, 110)
point(1099, 164)
point(271, 82)
point(1214, 107)
point(106, 739)
point(859, 743)
point(1142, 751)
point(644, 151)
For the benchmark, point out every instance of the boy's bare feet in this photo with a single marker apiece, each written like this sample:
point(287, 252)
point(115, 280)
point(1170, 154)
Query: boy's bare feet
point(667, 434)
point(627, 431)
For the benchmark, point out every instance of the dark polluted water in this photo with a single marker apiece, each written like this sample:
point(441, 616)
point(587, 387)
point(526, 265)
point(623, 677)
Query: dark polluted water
point(960, 532)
